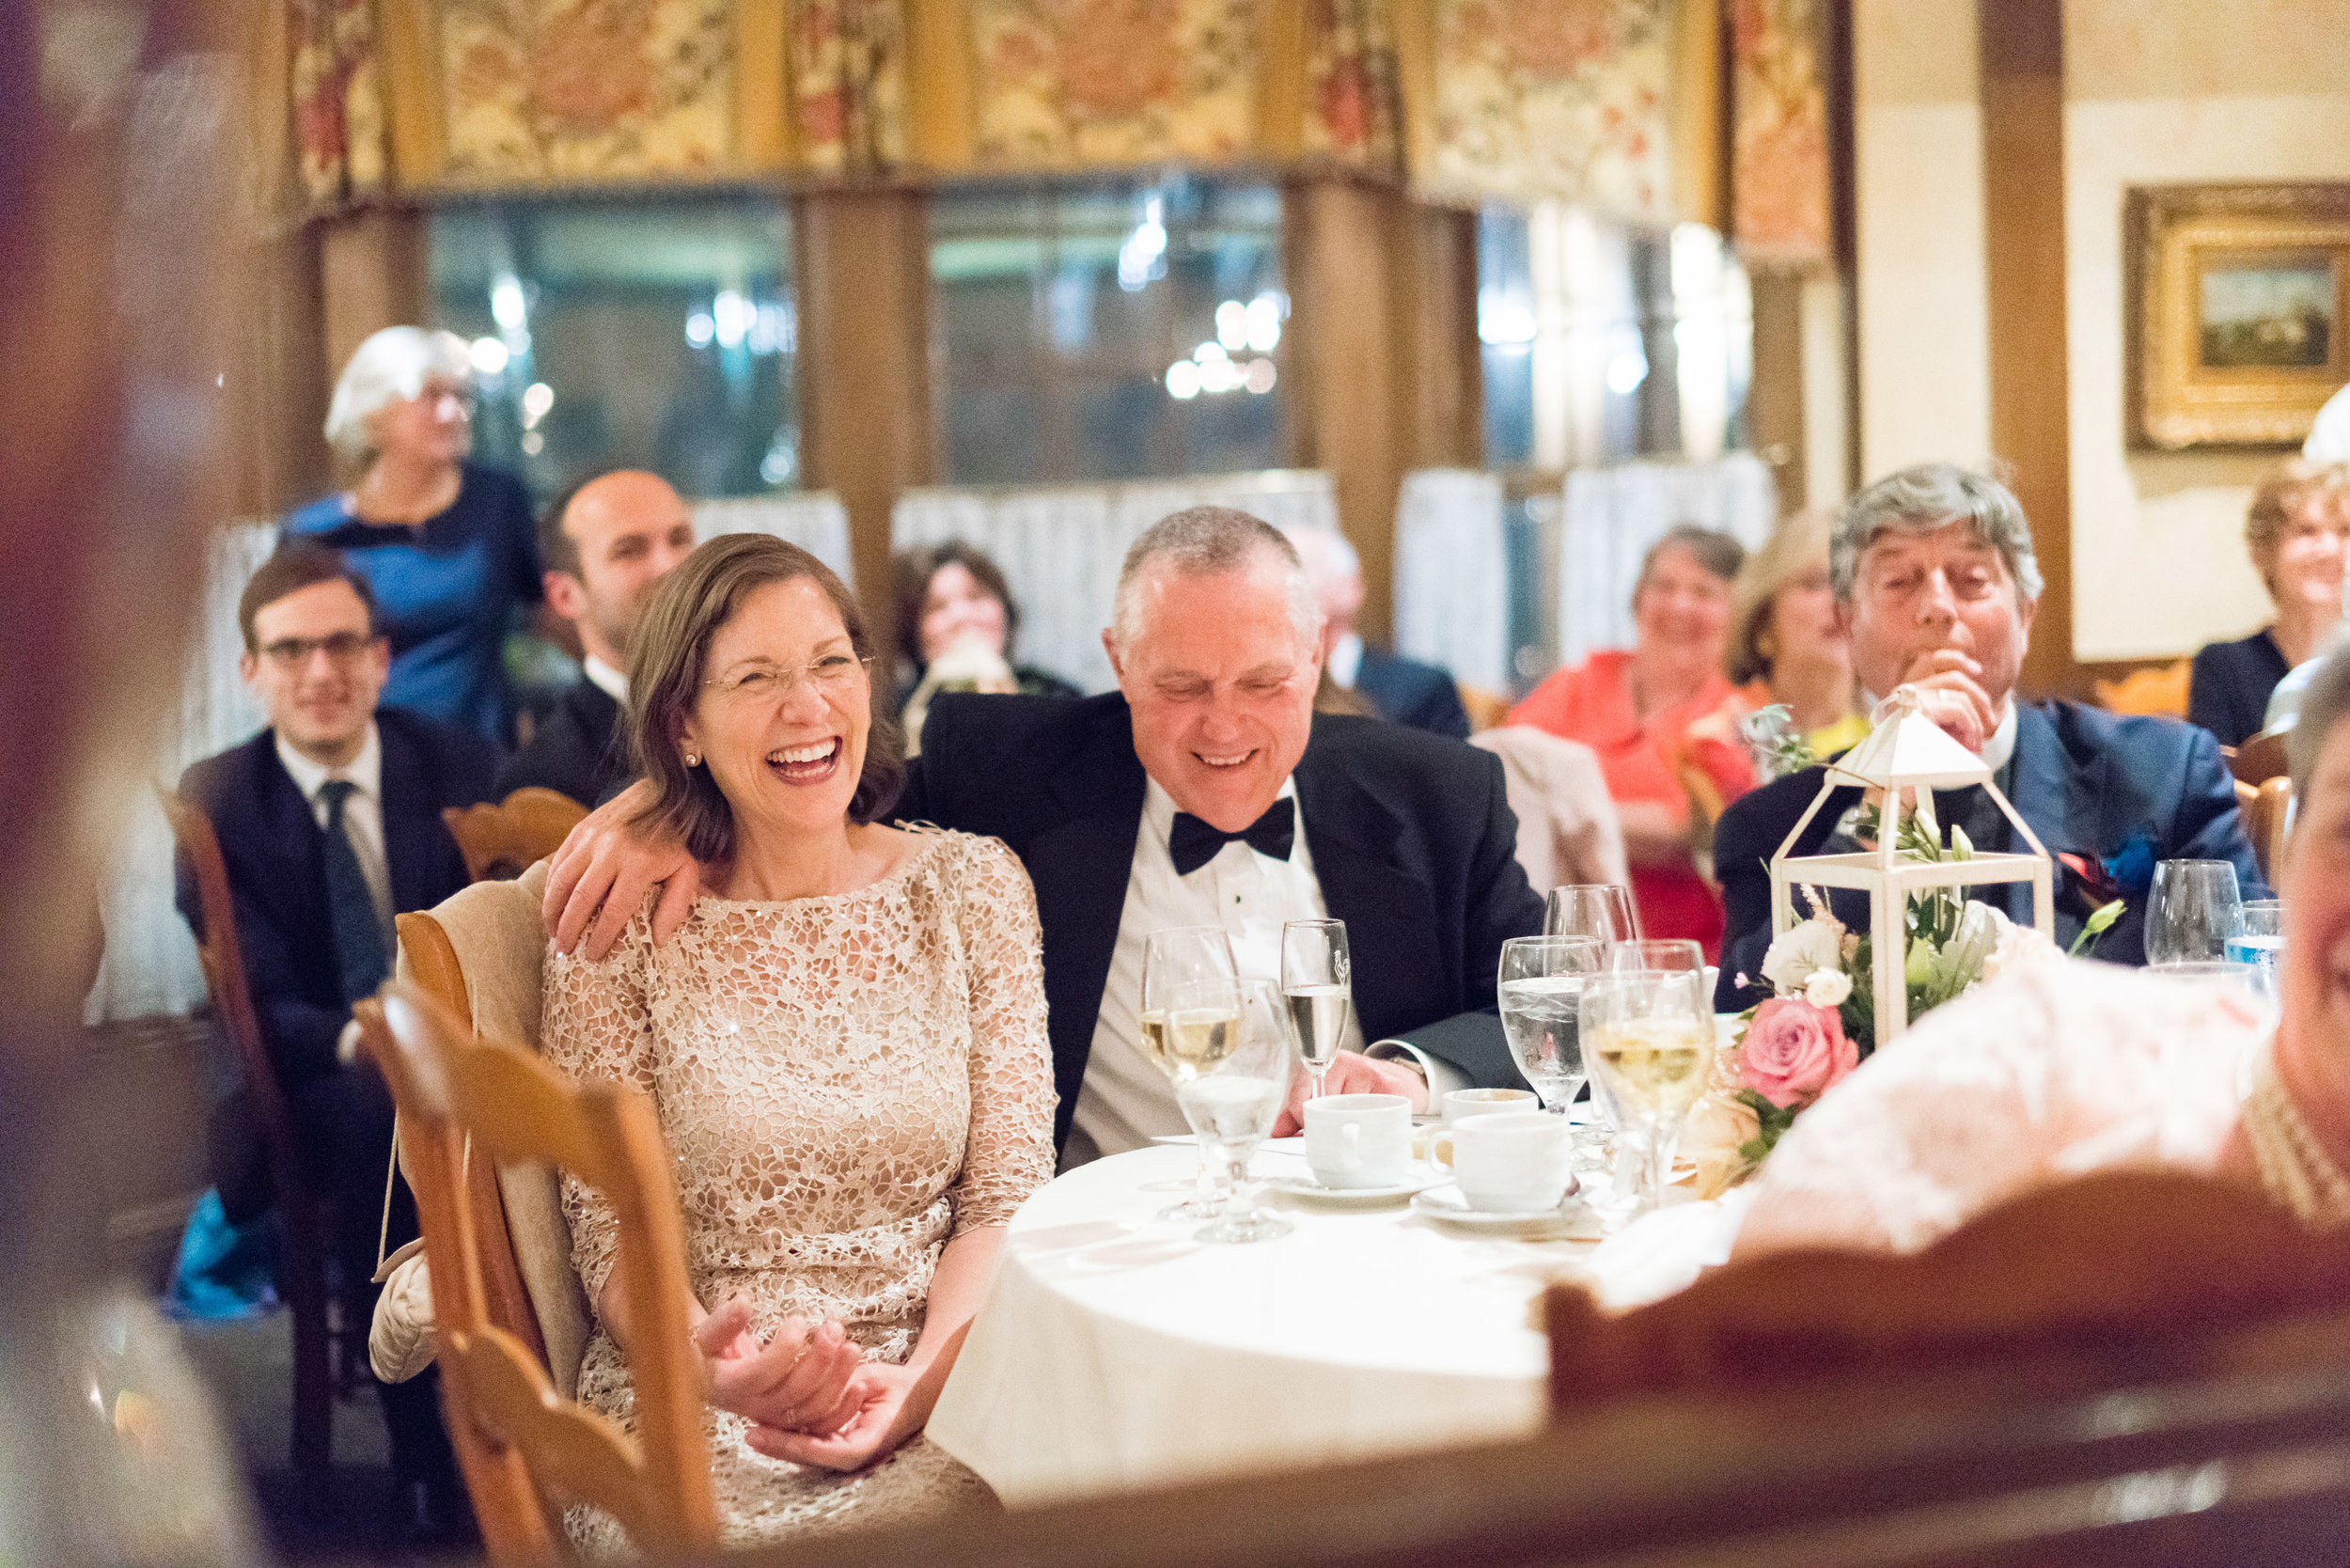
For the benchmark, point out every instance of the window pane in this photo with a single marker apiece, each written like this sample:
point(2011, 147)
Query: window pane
point(657, 332)
point(1106, 331)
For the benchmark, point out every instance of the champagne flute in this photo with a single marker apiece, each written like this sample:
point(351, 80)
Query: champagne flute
point(1542, 1001)
point(1652, 1042)
point(1231, 1108)
point(2192, 911)
point(1190, 1005)
point(1317, 978)
point(1596, 909)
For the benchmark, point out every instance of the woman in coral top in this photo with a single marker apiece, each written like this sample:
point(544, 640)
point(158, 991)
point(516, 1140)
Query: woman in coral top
point(1663, 721)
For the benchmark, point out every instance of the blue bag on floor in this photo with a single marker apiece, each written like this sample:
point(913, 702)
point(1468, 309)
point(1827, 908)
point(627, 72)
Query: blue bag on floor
point(224, 1272)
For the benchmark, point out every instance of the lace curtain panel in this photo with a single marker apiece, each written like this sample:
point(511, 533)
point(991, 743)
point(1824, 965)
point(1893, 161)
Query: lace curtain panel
point(149, 965)
point(1061, 548)
point(1611, 517)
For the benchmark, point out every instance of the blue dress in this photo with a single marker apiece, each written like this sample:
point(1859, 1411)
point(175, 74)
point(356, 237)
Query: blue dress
point(445, 590)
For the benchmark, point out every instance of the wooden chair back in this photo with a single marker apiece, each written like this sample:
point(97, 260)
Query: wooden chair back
point(2267, 812)
point(435, 967)
point(302, 1227)
point(531, 1450)
point(2130, 1270)
point(1485, 709)
point(2158, 689)
point(502, 840)
point(2259, 759)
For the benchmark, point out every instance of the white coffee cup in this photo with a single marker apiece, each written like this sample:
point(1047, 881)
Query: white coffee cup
point(1358, 1140)
point(1511, 1162)
point(1487, 1102)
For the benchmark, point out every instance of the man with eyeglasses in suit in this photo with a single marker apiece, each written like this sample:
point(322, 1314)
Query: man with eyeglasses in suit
point(329, 823)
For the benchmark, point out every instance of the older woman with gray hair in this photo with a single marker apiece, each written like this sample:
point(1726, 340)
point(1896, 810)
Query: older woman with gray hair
point(449, 547)
point(2061, 1067)
point(1937, 584)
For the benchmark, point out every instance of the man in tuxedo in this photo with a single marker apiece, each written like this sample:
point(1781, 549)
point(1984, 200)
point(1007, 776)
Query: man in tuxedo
point(1403, 690)
point(1204, 791)
point(605, 543)
point(1935, 582)
point(329, 822)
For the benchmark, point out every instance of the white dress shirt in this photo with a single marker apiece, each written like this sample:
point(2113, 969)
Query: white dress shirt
point(362, 812)
point(605, 679)
point(1125, 1101)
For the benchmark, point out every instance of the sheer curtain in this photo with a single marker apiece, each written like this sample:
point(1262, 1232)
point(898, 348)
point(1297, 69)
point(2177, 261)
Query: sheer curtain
point(1452, 575)
point(1061, 546)
point(816, 522)
point(1612, 515)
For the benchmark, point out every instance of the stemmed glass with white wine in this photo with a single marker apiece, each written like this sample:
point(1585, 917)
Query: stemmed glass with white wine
point(1317, 981)
point(1648, 1036)
point(1190, 1022)
point(1231, 1108)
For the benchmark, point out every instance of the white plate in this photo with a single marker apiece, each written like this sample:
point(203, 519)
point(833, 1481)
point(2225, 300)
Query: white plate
point(1308, 1190)
point(1445, 1206)
point(1292, 1144)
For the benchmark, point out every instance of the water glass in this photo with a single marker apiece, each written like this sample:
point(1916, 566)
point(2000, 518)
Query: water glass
point(1648, 1036)
point(1317, 979)
point(1600, 910)
point(1674, 956)
point(1541, 992)
point(1231, 1108)
point(2192, 910)
point(2261, 940)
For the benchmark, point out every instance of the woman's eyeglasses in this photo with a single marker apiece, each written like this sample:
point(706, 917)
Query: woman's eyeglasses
point(834, 675)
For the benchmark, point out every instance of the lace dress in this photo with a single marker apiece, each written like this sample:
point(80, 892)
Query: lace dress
point(845, 1084)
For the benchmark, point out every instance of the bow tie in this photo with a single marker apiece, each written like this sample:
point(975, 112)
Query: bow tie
point(1194, 843)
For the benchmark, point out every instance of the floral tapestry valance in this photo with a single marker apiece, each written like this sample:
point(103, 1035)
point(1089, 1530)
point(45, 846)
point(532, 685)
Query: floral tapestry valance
point(1615, 105)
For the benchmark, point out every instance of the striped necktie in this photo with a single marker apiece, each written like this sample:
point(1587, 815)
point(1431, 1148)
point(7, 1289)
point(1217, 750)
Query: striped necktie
point(360, 954)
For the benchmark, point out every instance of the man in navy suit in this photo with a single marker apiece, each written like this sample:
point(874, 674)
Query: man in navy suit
point(1204, 792)
point(606, 543)
point(1937, 584)
point(330, 822)
point(1402, 690)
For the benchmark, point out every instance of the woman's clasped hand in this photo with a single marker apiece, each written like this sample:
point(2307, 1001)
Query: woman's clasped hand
point(800, 1378)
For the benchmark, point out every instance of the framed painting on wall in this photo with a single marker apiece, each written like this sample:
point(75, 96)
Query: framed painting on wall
point(2239, 311)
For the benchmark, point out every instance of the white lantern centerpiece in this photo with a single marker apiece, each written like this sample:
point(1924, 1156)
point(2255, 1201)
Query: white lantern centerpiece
point(1907, 753)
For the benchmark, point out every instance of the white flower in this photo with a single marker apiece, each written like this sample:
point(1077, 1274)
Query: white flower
point(1827, 988)
point(1800, 950)
point(2018, 947)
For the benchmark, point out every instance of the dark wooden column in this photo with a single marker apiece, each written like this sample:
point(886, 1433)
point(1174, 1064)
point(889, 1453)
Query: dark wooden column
point(2023, 182)
point(280, 379)
point(866, 429)
point(1775, 411)
point(372, 268)
point(1382, 357)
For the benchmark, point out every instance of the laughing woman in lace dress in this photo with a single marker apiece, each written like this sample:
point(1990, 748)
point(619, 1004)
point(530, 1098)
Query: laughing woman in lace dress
point(846, 1044)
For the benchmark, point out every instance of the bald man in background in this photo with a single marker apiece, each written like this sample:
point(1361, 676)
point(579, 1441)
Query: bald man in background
point(604, 543)
point(1400, 690)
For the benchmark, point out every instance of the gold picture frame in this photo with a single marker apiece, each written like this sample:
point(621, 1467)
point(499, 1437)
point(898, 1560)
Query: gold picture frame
point(2239, 311)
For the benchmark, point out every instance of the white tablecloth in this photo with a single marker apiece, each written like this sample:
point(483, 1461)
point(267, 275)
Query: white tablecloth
point(1115, 1352)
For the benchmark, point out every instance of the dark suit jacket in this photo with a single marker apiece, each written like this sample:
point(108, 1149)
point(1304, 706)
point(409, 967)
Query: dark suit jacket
point(2228, 693)
point(1412, 692)
point(276, 853)
point(1412, 840)
point(575, 750)
point(2089, 783)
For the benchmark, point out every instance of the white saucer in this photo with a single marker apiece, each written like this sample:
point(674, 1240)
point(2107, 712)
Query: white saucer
point(1307, 1189)
point(1445, 1206)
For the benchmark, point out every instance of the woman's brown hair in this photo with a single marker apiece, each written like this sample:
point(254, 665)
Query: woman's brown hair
point(1797, 546)
point(912, 572)
point(2279, 499)
point(665, 675)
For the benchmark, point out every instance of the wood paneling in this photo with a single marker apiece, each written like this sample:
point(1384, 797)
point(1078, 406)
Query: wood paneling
point(279, 381)
point(866, 429)
point(1775, 396)
point(2023, 181)
point(372, 268)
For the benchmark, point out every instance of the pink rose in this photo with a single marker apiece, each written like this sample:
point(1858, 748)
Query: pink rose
point(1793, 1051)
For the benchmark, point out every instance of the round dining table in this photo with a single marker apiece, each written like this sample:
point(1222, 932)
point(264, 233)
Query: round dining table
point(1117, 1351)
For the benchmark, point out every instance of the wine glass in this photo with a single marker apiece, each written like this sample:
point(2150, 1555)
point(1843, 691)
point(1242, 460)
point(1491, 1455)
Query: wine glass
point(1542, 1001)
point(1597, 909)
point(1317, 978)
point(2192, 911)
point(1190, 1005)
point(1674, 955)
point(1231, 1108)
point(1651, 1040)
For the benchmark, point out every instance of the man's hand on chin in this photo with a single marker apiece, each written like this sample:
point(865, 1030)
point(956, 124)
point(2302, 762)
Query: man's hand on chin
point(1353, 1073)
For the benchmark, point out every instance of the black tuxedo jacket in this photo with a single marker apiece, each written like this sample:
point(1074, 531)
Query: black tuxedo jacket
point(276, 853)
point(2096, 786)
point(1412, 840)
point(575, 750)
point(1412, 692)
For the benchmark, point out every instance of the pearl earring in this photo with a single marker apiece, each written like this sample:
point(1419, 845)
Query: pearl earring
point(692, 759)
